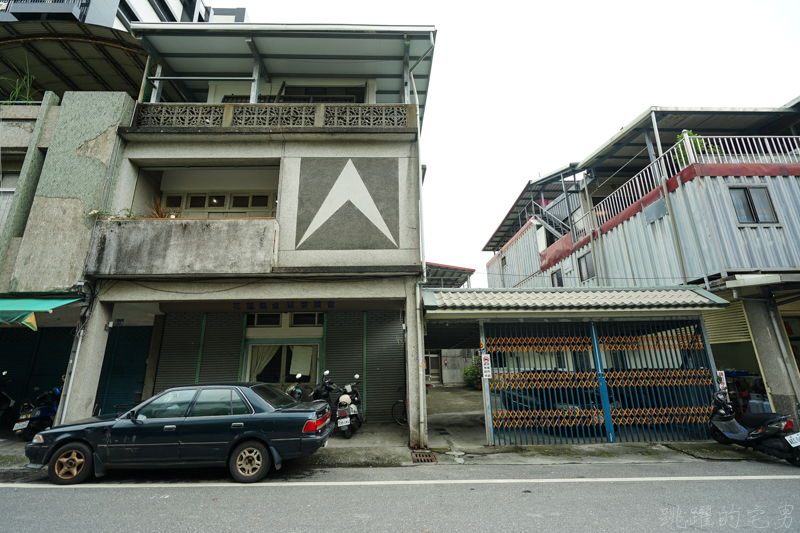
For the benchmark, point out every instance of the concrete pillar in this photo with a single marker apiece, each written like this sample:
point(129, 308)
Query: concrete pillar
point(414, 358)
point(770, 349)
point(79, 397)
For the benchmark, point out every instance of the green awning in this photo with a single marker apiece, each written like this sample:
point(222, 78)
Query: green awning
point(20, 311)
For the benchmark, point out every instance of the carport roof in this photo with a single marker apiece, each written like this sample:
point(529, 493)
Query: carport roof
point(585, 301)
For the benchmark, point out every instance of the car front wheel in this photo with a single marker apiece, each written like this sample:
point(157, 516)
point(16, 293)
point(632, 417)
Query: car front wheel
point(72, 463)
point(249, 462)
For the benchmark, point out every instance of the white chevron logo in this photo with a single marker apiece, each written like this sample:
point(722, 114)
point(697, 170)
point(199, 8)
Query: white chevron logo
point(348, 186)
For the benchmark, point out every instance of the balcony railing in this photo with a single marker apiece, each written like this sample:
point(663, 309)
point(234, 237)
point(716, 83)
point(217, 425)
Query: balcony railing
point(370, 116)
point(691, 150)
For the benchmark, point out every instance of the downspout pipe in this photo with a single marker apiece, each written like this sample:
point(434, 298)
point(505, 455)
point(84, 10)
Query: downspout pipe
point(418, 286)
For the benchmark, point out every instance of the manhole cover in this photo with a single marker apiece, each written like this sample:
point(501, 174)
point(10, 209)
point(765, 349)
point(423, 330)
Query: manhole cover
point(423, 457)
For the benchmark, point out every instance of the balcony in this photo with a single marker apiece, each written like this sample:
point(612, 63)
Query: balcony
point(391, 119)
point(70, 10)
point(182, 247)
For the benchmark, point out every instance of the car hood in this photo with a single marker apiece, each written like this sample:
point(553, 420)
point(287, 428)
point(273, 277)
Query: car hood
point(95, 421)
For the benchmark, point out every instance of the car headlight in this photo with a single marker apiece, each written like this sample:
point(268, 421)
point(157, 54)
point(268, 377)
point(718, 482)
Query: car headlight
point(38, 439)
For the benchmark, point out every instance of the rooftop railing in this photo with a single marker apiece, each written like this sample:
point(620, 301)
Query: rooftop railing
point(277, 115)
point(690, 150)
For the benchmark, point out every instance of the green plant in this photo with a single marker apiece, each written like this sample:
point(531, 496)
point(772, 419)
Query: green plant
point(159, 210)
point(698, 147)
point(19, 89)
point(474, 372)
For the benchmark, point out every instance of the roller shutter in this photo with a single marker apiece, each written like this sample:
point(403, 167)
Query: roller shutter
point(344, 346)
point(728, 325)
point(222, 344)
point(50, 362)
point(33, 359)
point(386, 364)
point(124, 367)
point(180, 347)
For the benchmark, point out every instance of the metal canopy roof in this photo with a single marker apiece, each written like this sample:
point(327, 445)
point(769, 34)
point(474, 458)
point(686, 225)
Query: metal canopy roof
point(625, 154)
point(447, 276)
point(291, 51)
point(589, 301)
point(71, 56)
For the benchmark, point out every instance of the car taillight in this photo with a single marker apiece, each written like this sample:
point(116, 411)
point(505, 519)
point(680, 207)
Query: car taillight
point(313, 425)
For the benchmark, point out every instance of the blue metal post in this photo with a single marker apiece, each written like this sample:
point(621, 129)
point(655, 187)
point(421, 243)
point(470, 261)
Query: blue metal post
point(598, 363)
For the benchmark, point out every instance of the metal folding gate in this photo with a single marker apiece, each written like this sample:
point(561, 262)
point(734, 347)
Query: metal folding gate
point(605, 381)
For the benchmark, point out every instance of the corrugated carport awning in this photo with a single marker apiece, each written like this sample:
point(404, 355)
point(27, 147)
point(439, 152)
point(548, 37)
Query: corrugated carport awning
point(568, 302)
point(20, 311)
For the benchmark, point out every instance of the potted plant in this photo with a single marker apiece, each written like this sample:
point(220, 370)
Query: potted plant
point(473, 374)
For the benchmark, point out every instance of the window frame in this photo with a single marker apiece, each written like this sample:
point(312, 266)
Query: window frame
point(588, 264)
point(751, 205)
point(271, 210)
point(556, 274)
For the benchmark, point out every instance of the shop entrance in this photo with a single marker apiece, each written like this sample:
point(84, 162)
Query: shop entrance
point(433, 367)
point(278, 365)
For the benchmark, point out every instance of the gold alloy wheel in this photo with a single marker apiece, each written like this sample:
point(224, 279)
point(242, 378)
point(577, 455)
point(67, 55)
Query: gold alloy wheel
point(249, 461)
point(69, 464)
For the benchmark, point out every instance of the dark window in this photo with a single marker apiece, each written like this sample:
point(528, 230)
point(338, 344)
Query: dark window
point(268, 319)
point(240, 201)
point(275, 397)
point(556, 279)
point(197, 201)
point(216, 201)
point(174, 201)
point(586, 266)
point(251, 320)
point(260, 201)
point(170, 405)
point(212, 402)
point(272, 372)
point(503, 262)
point(753, 205)
point(238, 407)
point(304, 319)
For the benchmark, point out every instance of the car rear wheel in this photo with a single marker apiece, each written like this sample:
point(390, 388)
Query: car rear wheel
point(72, 463)
point(249, 462)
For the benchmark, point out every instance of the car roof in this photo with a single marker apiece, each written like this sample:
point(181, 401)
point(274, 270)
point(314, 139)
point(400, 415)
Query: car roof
point(246, 384)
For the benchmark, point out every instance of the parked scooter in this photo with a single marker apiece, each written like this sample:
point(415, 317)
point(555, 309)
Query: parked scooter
point(7, 403)
point(322, 390)
point(39, 415)
point(769, 433)
point(348, 409)
point(294, 390)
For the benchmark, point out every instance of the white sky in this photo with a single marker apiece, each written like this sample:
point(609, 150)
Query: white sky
point(521, 88)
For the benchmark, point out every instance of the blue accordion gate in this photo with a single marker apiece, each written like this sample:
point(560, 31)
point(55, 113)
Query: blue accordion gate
point(604, 381)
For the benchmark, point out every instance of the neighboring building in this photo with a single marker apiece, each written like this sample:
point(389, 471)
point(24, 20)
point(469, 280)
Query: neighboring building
point(292, 174)
point(716, 210)
point(118, 14)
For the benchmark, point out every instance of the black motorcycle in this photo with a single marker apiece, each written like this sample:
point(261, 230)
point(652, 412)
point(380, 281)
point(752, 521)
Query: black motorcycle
point(38, 415)
point(769, 433)
point(294, 390)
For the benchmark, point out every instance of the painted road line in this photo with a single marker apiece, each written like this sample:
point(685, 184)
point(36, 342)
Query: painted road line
point(291, 484)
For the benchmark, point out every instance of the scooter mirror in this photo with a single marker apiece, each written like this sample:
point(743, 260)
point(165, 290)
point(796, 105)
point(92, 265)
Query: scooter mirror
point(356, 376)
point(326, 372)
point(5, 372)
point(298, 376)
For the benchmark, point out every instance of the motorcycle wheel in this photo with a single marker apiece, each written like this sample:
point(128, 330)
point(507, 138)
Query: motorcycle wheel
point(717, 435)
point(795, 460)
point(347, 433)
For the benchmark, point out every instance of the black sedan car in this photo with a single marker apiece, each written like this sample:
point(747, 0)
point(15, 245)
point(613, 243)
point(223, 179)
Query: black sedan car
point(245, 426)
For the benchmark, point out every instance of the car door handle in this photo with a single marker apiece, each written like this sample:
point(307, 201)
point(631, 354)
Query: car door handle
point(237, 425)
point(169, 428)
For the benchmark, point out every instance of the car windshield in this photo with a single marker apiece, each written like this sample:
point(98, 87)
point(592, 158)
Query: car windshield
point(275, 397)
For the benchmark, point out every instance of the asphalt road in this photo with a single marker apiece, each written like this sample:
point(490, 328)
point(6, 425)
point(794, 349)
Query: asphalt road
point(707, 496)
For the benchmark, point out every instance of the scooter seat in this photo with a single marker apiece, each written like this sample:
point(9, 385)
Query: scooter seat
point(754, 420)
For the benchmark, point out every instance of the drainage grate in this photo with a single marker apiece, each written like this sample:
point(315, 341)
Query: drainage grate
point(423, 457)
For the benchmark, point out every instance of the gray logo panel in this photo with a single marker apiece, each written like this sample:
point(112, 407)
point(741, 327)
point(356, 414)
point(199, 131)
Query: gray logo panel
point(348, 204)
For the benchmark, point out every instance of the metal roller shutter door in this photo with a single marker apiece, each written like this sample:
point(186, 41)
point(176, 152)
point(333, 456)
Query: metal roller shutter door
point(344, 346)
point(124, 366)
point(17, 349)
point(386, 364)
point(50, 363)
point(180, 346)
point(222, 344)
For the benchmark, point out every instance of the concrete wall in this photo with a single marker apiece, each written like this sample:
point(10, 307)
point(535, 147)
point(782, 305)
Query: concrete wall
point(24, 192)
point(457, 361)
point(181, 247)
point(79, 162)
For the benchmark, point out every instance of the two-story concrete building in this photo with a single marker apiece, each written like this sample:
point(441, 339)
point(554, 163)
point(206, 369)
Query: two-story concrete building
point(714, 206)
point(265, 221)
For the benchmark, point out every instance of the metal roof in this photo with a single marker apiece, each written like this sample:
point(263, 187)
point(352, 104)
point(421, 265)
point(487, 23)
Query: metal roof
point(446, 276)
point(71, 56)
point(587, 301)
point(292, 51)
point(625, 154)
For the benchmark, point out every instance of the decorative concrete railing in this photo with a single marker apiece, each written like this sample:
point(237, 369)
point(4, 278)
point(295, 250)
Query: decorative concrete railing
point(369, 116)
